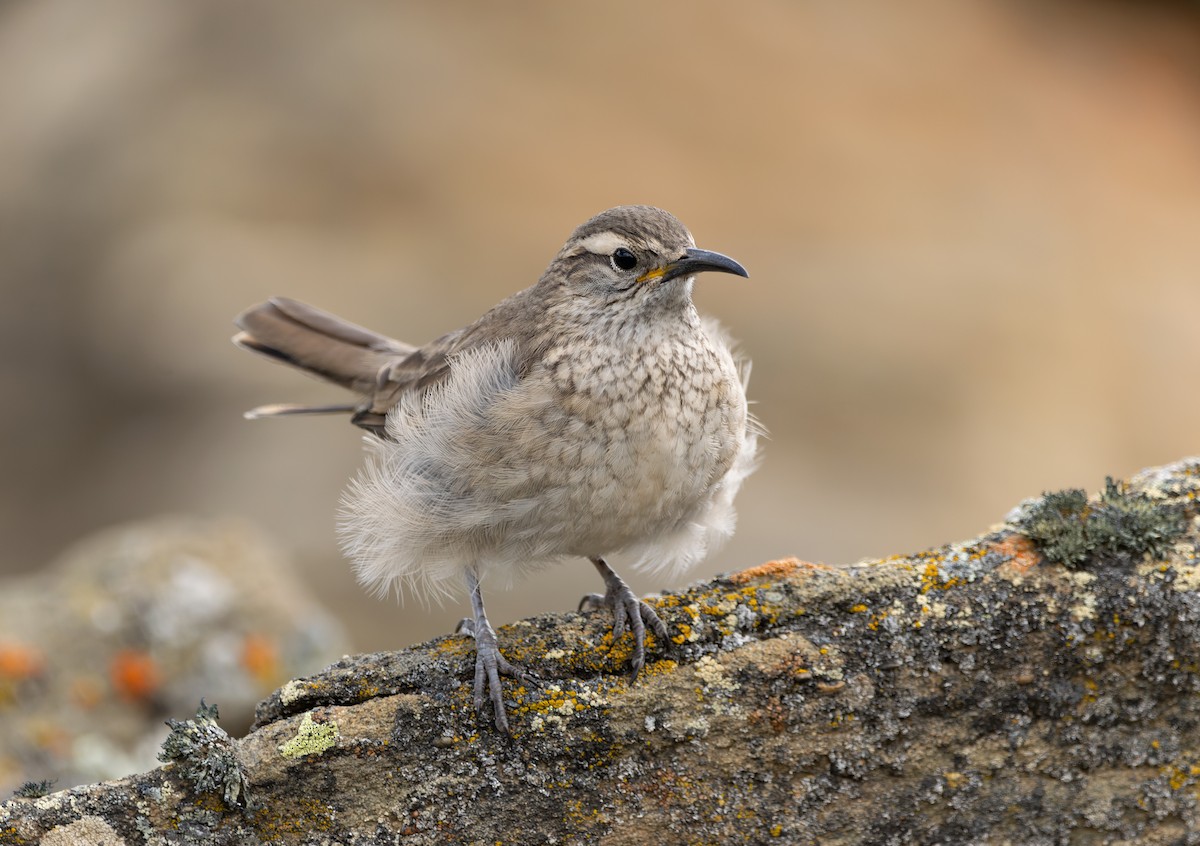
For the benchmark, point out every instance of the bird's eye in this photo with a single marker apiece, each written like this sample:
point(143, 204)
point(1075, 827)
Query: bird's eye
point(623, 259)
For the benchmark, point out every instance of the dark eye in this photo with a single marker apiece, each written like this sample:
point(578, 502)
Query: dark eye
point(623, 259)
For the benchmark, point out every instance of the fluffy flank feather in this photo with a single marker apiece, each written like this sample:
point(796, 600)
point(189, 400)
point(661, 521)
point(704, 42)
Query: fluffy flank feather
point(394, 515)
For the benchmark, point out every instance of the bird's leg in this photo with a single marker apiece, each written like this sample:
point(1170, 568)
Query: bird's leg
point(627, 609)
point(489, 663)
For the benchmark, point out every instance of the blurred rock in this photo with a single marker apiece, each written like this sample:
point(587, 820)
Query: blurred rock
point(140, 622)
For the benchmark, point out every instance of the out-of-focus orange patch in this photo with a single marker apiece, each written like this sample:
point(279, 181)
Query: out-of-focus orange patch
point(134, 674)
point(260, 657)
point(50, 736)
point(775, 569)
point(87, 691)
point(19, 661)
point(1022, 555)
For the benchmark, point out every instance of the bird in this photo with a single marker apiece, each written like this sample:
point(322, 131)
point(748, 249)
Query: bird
point(595, 412)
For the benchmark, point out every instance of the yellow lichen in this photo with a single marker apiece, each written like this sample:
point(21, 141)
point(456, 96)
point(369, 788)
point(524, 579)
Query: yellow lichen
point(954, 780)
point(686, 635)
point(299, 817)
point(556, 704)
point(931, 577)
point(1179, 776)
point(658, 668)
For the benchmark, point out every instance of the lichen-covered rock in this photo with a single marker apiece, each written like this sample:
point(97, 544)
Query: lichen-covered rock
point(136, 624)
point(975, 693)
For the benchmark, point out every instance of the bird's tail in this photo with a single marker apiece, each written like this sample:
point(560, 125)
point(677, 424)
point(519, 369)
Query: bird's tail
point(318, 343)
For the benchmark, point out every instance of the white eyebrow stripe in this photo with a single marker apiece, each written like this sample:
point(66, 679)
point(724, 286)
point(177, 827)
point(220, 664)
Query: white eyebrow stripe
point(603, 243)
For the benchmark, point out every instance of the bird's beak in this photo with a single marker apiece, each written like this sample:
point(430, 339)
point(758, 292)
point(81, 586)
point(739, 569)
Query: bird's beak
point(694, 261)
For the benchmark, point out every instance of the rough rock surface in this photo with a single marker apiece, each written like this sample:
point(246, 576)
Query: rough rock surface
point(975, 693)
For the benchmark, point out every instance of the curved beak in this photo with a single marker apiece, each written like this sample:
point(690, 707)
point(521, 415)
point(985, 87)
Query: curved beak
point(694, 261)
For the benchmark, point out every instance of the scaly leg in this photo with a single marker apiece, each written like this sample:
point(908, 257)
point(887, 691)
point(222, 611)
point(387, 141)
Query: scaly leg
point(627, 609)
point(489, 663)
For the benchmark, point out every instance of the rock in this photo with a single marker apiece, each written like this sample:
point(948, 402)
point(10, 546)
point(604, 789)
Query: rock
point(973, 693)
point(137, 624)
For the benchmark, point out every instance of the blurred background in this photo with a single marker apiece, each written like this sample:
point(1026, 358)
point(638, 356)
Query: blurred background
point(972, 228)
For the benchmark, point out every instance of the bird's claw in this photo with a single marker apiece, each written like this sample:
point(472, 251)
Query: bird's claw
point(490, 665)
point(628, 612)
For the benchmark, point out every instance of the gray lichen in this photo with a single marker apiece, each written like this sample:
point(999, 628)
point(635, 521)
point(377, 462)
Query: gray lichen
point(206, 756)
point(1070, 529)
point(34, 789)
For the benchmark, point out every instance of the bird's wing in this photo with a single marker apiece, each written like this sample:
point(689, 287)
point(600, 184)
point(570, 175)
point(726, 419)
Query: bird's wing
point(511, 320)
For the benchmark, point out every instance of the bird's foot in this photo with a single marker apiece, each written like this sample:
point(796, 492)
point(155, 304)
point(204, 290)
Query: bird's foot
point(489, 666)
point(628, 611)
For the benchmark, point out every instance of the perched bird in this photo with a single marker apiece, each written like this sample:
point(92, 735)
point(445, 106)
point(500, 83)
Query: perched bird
point(595, 412)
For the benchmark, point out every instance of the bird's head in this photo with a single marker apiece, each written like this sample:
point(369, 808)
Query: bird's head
point(636, 256)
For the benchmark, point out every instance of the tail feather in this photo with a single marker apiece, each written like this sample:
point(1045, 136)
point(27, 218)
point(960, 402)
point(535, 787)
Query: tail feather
point(287, 409)
point(335, 327)
point(318, 342)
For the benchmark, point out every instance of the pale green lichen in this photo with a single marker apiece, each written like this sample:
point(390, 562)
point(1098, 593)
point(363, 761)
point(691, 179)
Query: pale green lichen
point(311, 738)
point(712, 674)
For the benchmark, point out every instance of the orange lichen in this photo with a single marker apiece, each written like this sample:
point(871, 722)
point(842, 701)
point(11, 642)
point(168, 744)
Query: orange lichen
point(87, 691)
point(775, 713)
point(50, 736)
point(19, 661)
point(1021, 553)
point(774, 569)
point(260, 658)
point(134, 674)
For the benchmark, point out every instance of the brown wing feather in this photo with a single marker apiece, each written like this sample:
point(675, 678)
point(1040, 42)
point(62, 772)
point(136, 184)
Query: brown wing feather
point(378, 368)
point(430, 364)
